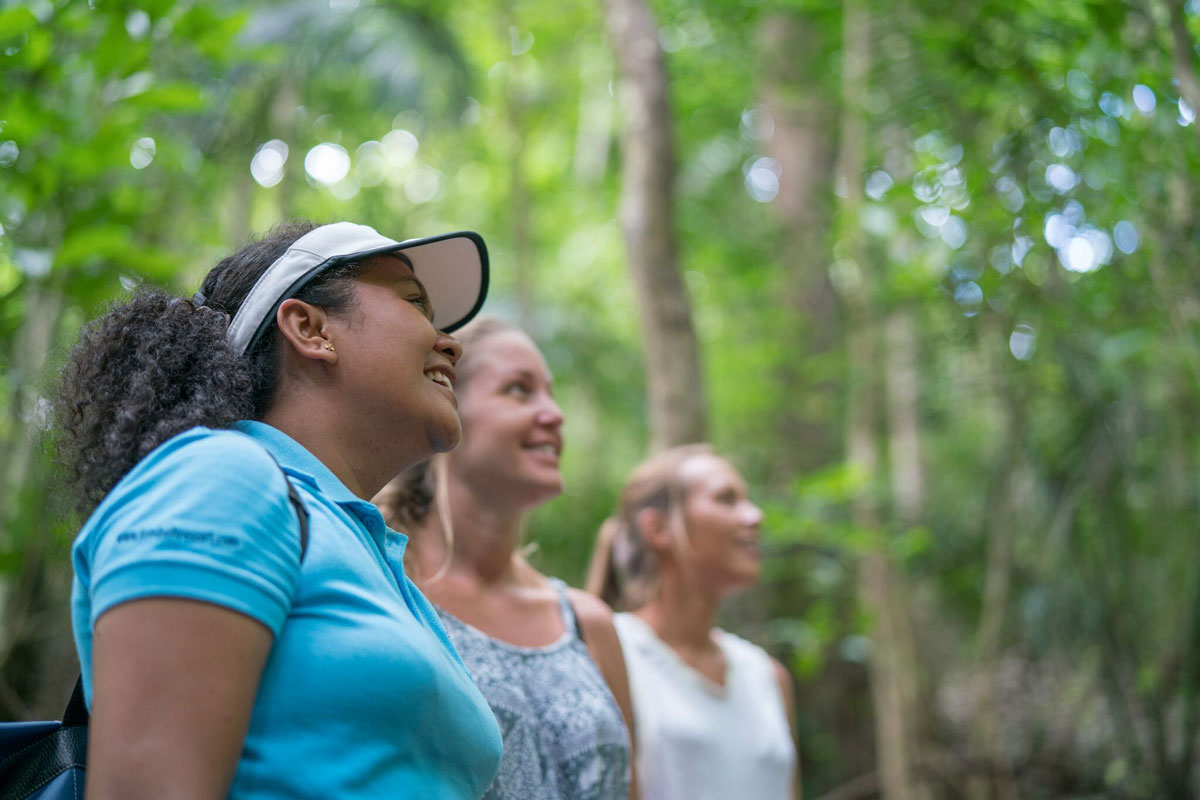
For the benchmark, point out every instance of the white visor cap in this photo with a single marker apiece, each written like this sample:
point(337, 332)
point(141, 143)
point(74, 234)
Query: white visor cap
point(452, 266)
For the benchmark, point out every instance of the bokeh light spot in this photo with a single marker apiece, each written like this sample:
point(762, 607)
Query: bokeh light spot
point(1187, 114)
point(968, 295)
point(423, 185)
point(1144, 99)
point(762, 179)
point(370, 163)
point(1125, 235)
point(1022, 342)
point(1061, 178)
point(954, 232)
point(1112, 105)
point(757, 124)
point(878, 183)
point(327, 163)
point(267, 165)
point(1057, 231)
point(137, 24)
point(142, 152)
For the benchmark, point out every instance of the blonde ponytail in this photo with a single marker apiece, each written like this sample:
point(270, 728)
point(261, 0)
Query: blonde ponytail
point(624, 567)
point(602, 580)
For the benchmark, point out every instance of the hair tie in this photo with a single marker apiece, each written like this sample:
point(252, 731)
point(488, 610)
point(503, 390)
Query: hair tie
point(199, 299)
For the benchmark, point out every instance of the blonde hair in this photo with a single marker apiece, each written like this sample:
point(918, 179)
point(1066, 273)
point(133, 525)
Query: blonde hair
point(624, 567)
point(407, 499)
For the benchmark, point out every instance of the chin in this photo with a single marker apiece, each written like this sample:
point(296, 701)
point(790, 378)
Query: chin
point(540, 491)
point(446, 439)
point(743, 579)
point(548, 490)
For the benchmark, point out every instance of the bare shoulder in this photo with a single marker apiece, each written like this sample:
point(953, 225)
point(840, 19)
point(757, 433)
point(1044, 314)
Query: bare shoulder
point(590, 609)
point(787, 689)
point(784, 676)
point(600, 635)
point(595, 620)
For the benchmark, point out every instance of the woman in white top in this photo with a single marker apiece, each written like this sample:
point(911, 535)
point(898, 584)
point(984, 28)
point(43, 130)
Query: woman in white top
point(713, 713)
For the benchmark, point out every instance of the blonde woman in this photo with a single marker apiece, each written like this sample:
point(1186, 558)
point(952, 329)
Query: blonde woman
point(713, 711)
point(546, 657)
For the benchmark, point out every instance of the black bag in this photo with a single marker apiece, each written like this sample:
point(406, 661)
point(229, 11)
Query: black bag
point(46, 760)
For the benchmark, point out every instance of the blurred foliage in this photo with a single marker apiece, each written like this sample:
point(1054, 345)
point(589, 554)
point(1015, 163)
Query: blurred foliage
point(1030, 189)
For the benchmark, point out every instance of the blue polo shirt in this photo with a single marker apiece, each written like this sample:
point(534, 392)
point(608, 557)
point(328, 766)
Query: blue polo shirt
point(363, 696)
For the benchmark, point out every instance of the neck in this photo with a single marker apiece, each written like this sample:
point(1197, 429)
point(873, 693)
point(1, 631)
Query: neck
point(485, 538)
point(683, 612)
point(361, 459)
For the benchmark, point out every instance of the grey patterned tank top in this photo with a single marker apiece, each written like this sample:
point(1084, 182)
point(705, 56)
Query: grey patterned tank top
point(564, 736)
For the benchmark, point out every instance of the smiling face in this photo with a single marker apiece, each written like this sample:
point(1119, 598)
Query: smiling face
point(512, 427)
point(396, 370)
point(722, 525)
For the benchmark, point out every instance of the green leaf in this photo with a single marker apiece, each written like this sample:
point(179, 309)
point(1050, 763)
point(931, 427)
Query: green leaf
point(15, 21)
point(38, 49)
point(169, 97)
point(88, 244)
point(10, 562)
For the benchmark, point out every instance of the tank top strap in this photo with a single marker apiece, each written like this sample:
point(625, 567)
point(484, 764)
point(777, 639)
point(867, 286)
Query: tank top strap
point(570, 621)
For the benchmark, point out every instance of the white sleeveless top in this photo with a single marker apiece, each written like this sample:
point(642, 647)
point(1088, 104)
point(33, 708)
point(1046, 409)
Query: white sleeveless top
point(697, 740)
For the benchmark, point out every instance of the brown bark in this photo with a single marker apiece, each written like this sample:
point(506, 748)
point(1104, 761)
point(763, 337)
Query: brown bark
point(677, 407)
point(907, 474)
point(1183, 57)
point(32, 625)
point(881, 585)
point(804, 120)
point(43, 304)
point(1001, 524)
point(284, 124)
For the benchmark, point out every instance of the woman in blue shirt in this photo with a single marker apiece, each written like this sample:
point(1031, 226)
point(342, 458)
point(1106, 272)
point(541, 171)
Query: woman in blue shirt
point(221, 656)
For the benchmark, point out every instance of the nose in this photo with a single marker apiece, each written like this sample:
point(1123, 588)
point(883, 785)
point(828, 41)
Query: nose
point(549, 414)
point(752, 515)
point(448, 346)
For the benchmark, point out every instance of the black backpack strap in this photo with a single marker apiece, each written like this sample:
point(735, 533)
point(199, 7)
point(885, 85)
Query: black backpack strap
point(76, 713)
point(301, 514)
point(298, 504)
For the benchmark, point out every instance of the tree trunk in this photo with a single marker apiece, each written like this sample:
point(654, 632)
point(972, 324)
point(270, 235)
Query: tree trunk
point(892, 667)
point(907, 474)
point(1183, 57)
point(43, 304)
point(1001, 524)
point(32, 624)
point(284, 124)
point(677, 407)
point(802, 143)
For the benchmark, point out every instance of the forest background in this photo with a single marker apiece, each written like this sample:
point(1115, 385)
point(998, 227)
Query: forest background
point(925, 270)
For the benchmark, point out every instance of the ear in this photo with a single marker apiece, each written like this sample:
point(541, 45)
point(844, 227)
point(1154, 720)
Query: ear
point(306, 328)
point(654, 527)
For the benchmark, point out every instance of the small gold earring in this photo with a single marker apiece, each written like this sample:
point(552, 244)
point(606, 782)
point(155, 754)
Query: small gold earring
point(329, 346)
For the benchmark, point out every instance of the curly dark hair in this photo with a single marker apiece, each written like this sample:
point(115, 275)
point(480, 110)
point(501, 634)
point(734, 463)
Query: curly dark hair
point(157, 365)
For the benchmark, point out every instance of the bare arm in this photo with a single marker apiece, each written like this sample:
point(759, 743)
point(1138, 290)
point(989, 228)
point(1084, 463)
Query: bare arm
point(789, 706)
point(596, 622)
point(173, 688)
